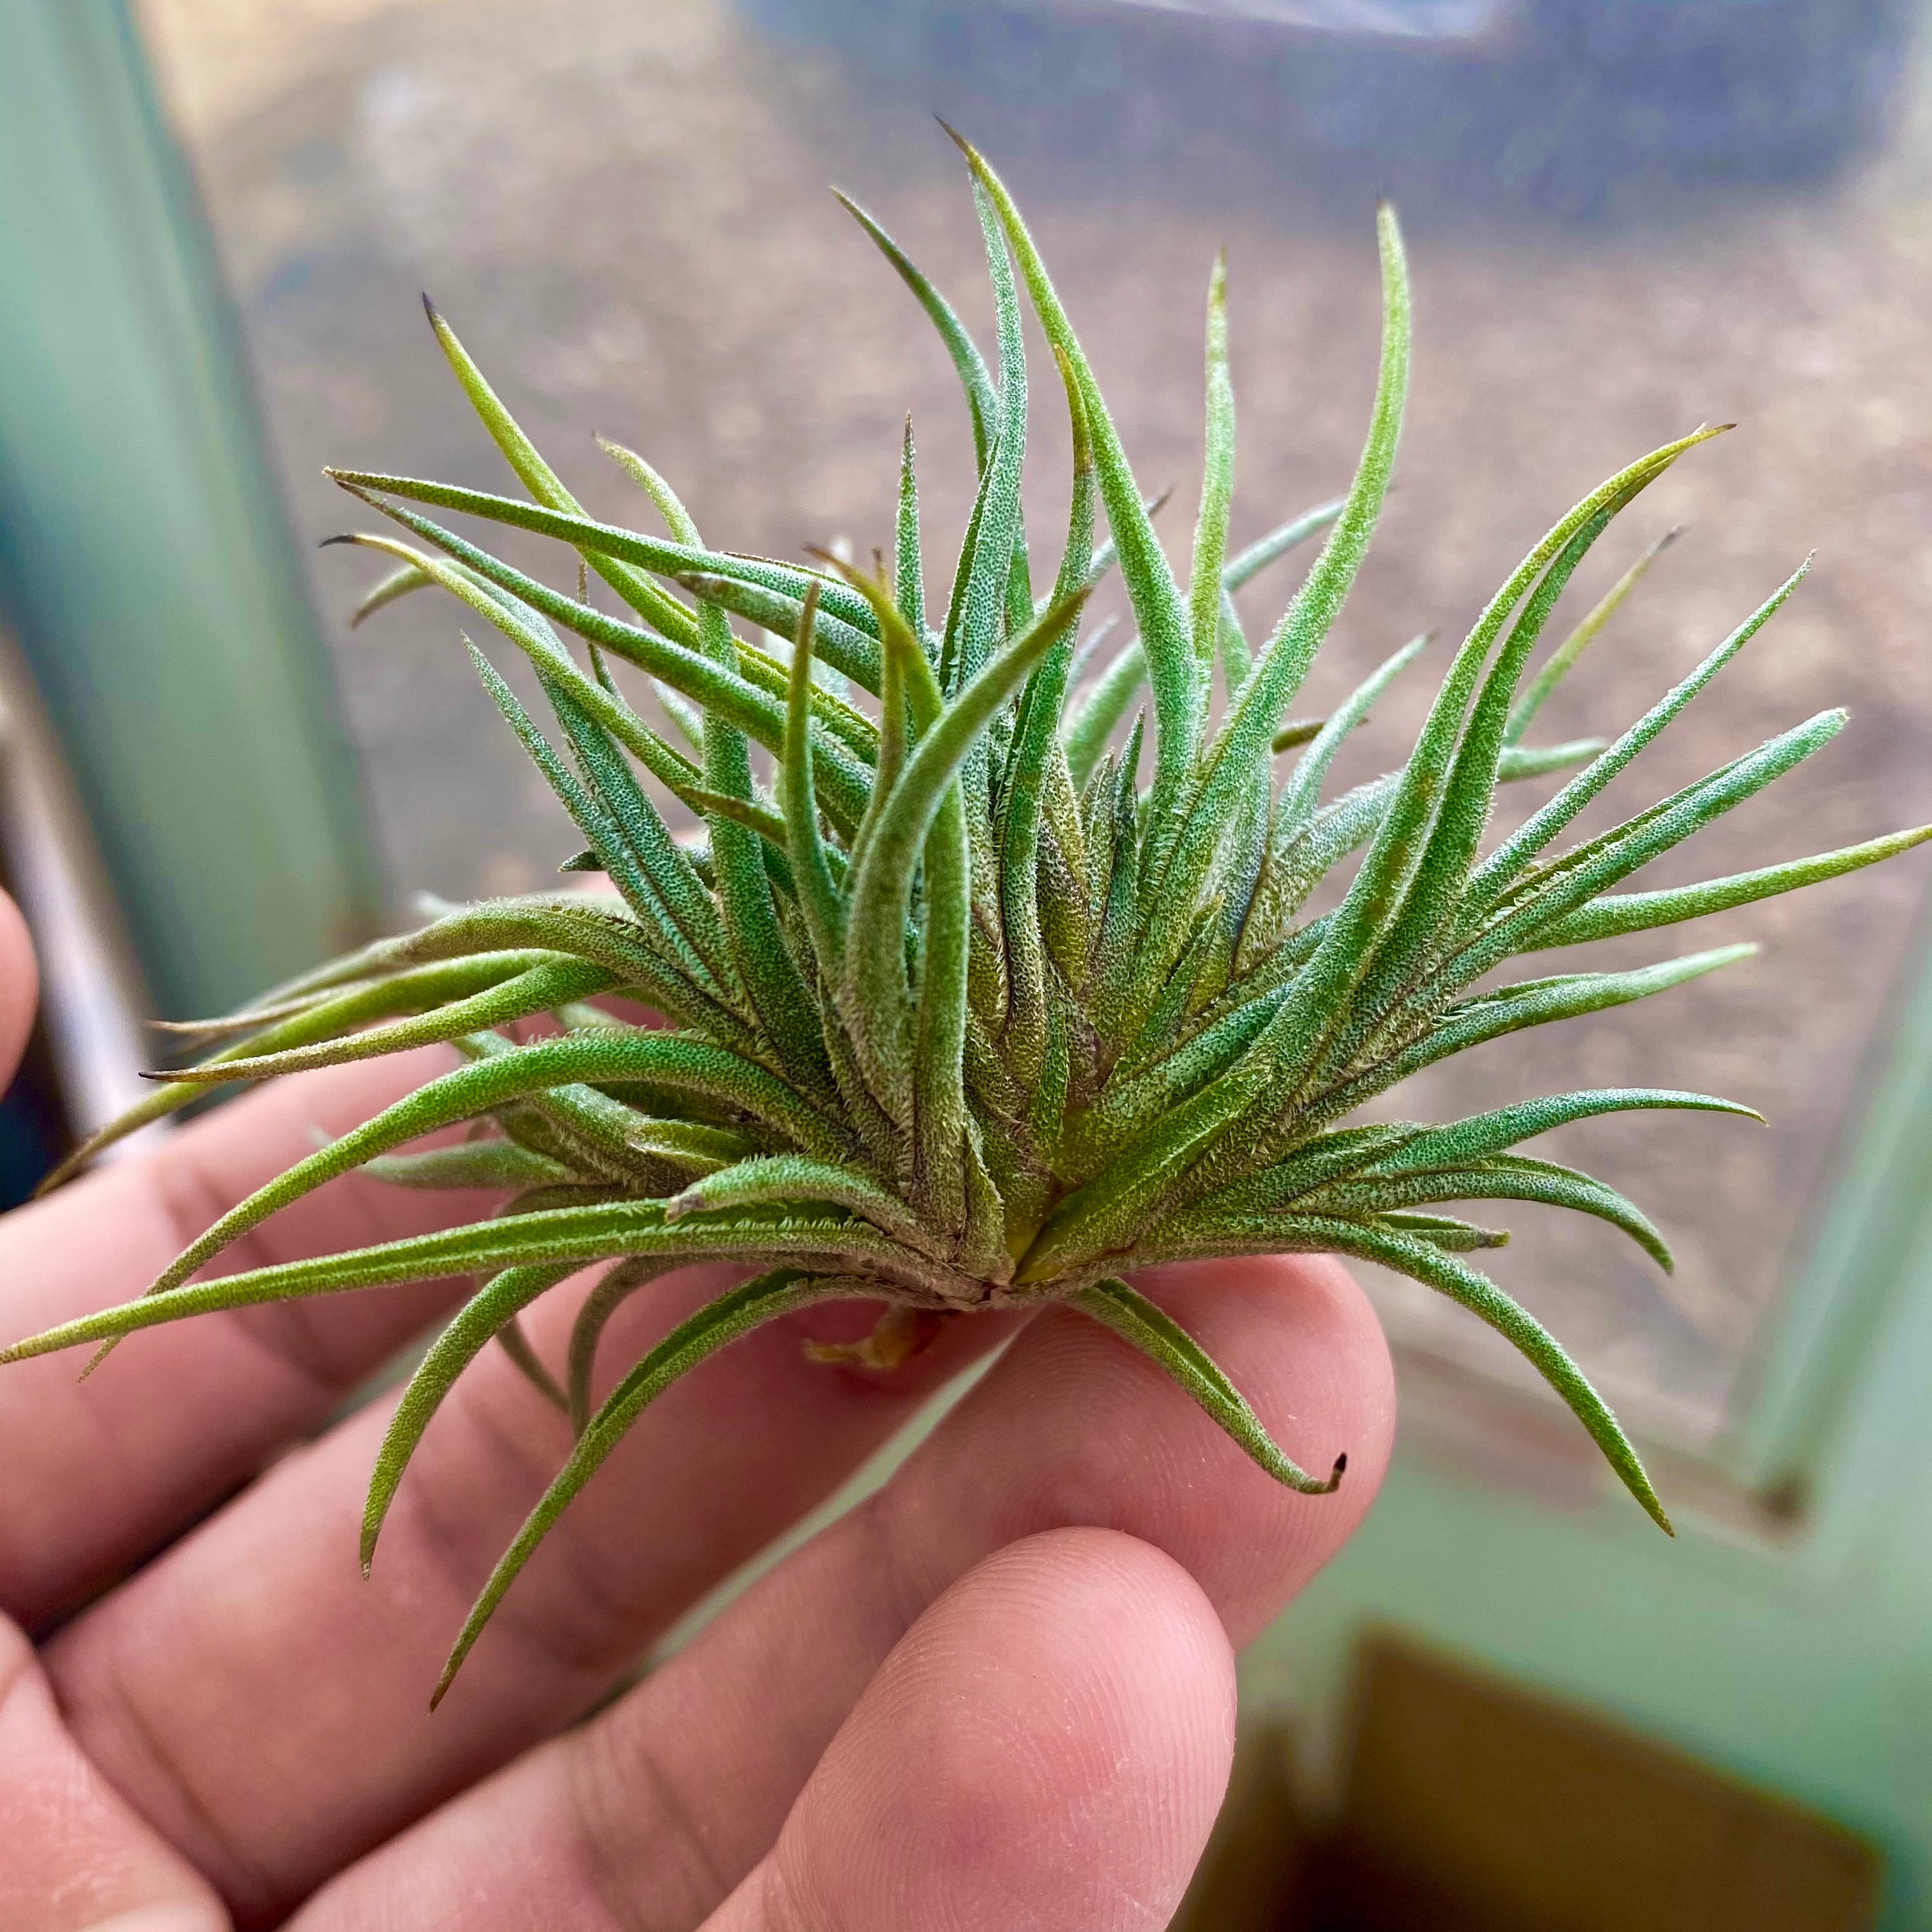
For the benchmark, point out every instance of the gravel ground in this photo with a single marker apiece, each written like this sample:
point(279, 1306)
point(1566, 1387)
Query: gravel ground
point(622, 209)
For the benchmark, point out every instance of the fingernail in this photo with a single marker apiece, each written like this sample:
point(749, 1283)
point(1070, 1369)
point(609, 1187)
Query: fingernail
point(165, 1918)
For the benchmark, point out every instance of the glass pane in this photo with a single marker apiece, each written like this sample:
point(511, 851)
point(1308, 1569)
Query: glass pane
point(1624, 220)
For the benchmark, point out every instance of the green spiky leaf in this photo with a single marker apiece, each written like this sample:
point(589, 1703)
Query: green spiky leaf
point(966, 1015)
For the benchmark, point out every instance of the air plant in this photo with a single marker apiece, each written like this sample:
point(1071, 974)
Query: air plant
point(959, 1013)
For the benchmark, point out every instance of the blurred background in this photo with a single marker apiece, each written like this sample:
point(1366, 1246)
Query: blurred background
point(1625, 218)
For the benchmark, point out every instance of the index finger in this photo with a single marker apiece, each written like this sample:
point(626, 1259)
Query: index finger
point(100, 1472)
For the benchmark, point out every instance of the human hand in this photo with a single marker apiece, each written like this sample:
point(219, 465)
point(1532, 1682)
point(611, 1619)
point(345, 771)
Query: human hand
point(999, 1695)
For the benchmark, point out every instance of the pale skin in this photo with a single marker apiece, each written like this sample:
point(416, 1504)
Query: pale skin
point(999, 1697)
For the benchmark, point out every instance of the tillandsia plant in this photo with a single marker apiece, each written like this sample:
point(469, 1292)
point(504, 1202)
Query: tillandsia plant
point(960, 1014)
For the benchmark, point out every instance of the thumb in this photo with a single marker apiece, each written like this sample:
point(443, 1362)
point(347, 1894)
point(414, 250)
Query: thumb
point(19, 987)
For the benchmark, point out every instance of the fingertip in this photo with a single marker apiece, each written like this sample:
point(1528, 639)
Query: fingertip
point(1055, 1731)
point(1300, 1336)
point(19, 986)
point(1311, 1326)
point(1074, 1426)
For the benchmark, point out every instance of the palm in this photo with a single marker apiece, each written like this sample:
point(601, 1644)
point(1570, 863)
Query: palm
point(999, 1695)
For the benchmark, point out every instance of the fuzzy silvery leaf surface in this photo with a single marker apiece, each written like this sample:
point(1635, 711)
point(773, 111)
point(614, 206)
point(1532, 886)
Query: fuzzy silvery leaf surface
point(997, 982)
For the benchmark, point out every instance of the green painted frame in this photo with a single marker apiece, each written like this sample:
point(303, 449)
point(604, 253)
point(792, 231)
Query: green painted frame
point(145, 561)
